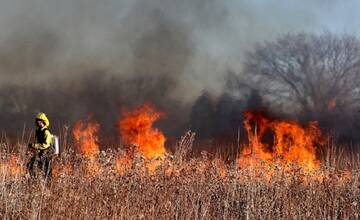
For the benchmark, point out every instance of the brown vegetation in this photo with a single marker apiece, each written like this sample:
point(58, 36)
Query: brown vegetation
point(182, 187)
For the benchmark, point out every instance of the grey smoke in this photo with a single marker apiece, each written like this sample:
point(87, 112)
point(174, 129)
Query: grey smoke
point(71, 58)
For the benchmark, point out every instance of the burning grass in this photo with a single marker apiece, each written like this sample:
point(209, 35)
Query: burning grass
point(278, 174)
point(136, 129)
point(280, 144)
point(181, 187)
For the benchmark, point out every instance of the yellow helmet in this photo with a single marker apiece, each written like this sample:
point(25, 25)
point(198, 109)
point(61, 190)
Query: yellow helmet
point(42, 116)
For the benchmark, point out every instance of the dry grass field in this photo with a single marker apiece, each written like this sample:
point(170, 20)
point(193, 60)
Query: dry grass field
point(295, 175)
point(180, 187)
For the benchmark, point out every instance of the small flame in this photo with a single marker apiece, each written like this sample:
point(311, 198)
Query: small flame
point(123, 163)
point(11, 166)
point(289, 144)
point(86, 135)
point(136, 128)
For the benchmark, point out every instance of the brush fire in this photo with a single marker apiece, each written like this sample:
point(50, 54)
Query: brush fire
point(272, 144)
point(136, 129)
point(85, 134)
point(280, 155)
point(277, 144)
point(137, 132)
point(184, 109)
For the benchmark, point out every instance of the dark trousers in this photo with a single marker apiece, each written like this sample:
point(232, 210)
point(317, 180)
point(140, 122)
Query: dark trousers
point(42, 160)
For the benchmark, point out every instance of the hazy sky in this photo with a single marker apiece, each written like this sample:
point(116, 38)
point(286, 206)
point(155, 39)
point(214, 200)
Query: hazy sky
point(91, 34)
point(70, 58)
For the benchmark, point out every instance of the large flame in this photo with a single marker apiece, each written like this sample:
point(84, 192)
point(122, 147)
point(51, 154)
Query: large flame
point(136, 129)
point(280, 143)
point(86, 135)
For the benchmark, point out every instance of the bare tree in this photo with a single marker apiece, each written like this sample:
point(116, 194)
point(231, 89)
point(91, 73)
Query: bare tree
point(314, 73)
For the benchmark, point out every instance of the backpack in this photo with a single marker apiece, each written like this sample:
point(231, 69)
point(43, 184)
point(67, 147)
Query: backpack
point(55, 145)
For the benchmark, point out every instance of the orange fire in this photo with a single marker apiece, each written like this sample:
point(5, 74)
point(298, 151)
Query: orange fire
point(123, 163)
point(86, 135)
point(136, 129)
point(274, 143)
point(137, 132)
point(11, 166)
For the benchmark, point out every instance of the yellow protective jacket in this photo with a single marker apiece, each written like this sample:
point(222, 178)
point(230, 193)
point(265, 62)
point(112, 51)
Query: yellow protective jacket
point(42, 135)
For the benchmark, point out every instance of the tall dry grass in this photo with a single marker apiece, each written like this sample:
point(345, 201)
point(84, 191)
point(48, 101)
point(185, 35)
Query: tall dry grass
point(182, 187)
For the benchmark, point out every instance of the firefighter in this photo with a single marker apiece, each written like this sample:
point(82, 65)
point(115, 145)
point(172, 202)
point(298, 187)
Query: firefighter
point(42, 146)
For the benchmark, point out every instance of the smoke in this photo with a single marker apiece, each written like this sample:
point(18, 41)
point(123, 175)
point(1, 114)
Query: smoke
point(75, 58)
